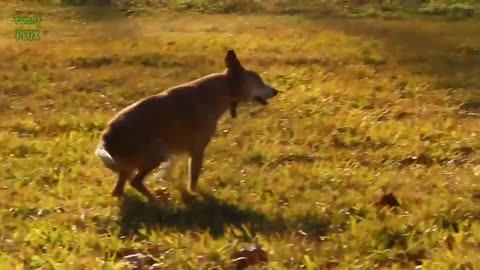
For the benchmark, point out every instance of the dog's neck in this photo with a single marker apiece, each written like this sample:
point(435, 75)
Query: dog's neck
point(220, 86)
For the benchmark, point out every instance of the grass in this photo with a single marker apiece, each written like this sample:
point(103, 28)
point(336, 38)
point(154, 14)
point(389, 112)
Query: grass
point(368, 107)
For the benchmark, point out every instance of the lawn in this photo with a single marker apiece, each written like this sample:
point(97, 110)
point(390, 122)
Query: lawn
point(368, 107)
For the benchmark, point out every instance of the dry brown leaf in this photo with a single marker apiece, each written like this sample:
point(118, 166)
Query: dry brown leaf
point(156, 266)
point(139, 260)
point(162, 194)
point(388, 200)
point(449, 241)
point(249, 256)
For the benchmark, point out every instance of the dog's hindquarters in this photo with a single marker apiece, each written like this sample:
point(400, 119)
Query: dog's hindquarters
point(138, 163)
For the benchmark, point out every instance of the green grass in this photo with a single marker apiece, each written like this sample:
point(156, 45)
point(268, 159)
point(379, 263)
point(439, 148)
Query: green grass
point(367, 107)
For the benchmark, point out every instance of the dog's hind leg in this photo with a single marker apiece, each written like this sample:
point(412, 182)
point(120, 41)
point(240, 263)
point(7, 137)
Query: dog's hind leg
point(120, 186)
point(151, 158)
point(137, 183)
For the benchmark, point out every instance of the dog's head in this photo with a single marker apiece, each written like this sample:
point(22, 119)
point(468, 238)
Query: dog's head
point(247, 85)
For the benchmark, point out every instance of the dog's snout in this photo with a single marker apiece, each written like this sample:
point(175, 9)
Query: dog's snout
point(275, 92)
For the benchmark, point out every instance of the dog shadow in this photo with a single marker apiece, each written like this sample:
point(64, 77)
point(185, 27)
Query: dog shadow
point(208, 214)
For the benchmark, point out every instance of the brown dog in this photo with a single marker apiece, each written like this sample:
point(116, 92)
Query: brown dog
point(181, 119)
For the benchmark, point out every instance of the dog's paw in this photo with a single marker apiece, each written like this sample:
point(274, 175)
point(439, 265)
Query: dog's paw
point(190, 197)
point(117, 193)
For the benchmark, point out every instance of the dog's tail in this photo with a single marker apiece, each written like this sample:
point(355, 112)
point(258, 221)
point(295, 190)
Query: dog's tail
point(102, 154)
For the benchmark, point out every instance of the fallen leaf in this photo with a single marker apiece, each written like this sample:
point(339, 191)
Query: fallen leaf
point(156, 266)
point(190, 197)
point(138, 260)
point(388, 200)
point(401, 115)
point(60, 209)
point(162, 194)
point(422, 159)
point(449, 241)
point(249, 256)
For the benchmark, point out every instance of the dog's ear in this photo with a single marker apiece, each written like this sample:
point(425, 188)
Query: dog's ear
point(235, 78)
point(231, 61)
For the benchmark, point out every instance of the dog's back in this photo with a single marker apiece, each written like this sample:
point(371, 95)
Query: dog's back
point(179, 117)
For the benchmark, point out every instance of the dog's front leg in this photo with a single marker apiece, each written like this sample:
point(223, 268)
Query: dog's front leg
point(194, 168)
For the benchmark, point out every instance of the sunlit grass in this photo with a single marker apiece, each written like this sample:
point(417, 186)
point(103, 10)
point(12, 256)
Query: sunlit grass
point(367, 107)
